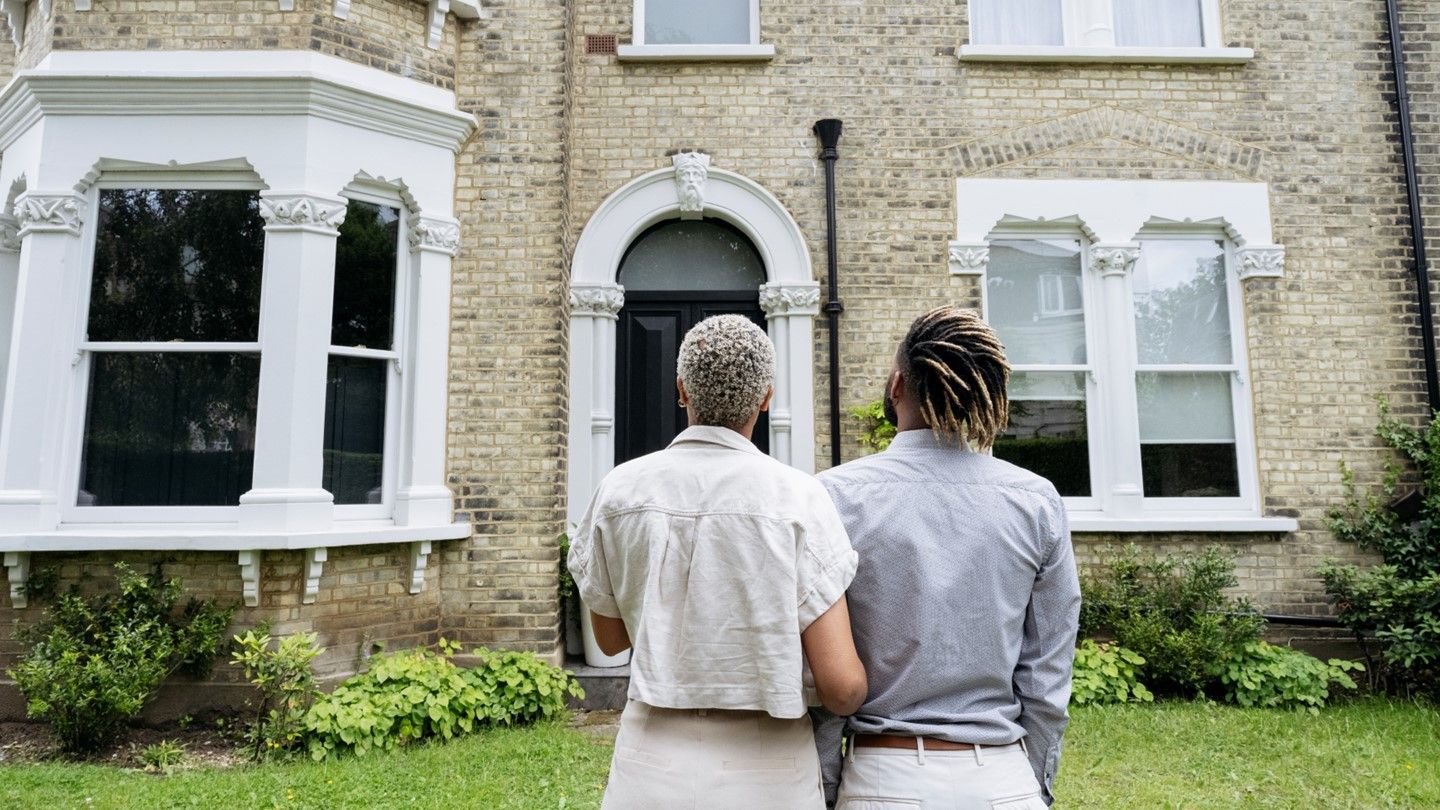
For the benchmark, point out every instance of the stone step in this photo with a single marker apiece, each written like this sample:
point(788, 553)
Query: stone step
point(605, 687)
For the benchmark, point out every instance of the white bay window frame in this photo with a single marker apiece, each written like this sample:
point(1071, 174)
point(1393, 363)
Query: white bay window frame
point(641, 51)
point(1089, 26)
point(1111, 220)
point(307, 131)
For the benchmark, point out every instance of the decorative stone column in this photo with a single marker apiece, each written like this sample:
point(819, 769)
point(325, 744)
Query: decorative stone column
point(594, 311)
point(422, 497)
point(791, 310)
point(1114, 263)
point(297, 295)
point(41, 347)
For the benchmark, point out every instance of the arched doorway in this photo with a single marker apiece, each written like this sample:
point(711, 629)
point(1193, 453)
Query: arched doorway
point(789, 298)
point(675, 274)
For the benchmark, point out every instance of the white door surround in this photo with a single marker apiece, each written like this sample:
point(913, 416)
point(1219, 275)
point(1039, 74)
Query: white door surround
point(790, 298)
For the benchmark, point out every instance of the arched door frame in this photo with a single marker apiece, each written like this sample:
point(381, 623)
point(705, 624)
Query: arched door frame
point(790, 298)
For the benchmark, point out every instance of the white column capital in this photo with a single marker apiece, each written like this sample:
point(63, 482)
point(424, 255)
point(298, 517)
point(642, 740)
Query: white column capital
point(438, 234)
point(1261, 261)
point(38, 212)
point(1114, 258)
point(782, 300)
point(597, 300)
point(969, 258)
point(300, 211)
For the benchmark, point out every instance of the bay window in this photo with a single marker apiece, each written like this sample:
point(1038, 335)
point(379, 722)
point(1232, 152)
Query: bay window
point(1129, 388)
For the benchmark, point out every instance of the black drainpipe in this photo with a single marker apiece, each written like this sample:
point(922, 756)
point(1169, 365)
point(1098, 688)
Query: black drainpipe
point(1417, 221)
point(828, 131)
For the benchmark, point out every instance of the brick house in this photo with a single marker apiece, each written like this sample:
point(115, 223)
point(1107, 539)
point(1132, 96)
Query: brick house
point(340, 308)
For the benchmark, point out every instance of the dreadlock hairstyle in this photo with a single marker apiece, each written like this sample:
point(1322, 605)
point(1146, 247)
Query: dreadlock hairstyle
point(955, 367)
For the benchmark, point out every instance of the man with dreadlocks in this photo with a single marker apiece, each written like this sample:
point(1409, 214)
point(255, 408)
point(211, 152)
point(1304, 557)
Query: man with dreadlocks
point(966, 603)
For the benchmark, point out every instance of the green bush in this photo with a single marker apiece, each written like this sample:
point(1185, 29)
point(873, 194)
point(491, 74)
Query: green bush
point(1173, 612)
point(1263, 675)
point(1397, 602)
point(94, 662)
point(420, 694)
point(287, 687)
point(876, 431)
point(1107, 673)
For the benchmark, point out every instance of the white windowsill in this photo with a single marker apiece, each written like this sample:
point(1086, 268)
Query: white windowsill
point(222, 537)
point(1181, 523)
point(1068, 53)
point(694, 53)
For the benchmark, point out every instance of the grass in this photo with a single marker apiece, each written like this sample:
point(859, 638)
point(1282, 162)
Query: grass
point(1366, 754)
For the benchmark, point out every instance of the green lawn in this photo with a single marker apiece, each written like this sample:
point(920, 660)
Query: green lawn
point(1361, 755)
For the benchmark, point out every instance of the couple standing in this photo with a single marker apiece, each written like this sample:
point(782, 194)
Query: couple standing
point(939, 645)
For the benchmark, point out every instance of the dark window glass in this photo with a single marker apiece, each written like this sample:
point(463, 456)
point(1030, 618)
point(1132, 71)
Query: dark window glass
point(1187, 435)
point(684, 255)
point(177, 264)
point(365, 257)
point(355, 429)
point(1049, 436)
point(169, 429)
point(1189, 470)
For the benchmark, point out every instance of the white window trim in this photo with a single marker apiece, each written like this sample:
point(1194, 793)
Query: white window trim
point(207, 120)
point(1089, 33)
point(640, 51)
point(1108, 213)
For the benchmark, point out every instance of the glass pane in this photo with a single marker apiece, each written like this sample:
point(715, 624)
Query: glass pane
point(713, 22)
point(1187, 436)
point(177, 264)
point(169, 429)
point(355, 429)
point(1182, 311)
point(1048, 435)
point(1036, 300)
point(684, 255)
point(1160, 23)
point(1016, 22)
point(365, 257)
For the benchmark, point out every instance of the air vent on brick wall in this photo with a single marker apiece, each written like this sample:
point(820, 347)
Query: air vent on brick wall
point(603, 44)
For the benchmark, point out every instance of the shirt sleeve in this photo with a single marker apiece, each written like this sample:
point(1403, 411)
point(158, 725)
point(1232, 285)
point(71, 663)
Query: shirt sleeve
point(1047, 654)
point(826, 562)
point(588, 566)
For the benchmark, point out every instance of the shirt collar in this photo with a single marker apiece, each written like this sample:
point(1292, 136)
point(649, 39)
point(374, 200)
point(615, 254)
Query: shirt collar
point(923, 439)
point(725, 437)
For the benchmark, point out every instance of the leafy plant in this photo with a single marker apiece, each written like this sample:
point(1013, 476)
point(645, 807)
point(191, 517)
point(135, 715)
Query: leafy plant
point(283, 676)
point(1173, 612)
point(163, 756)
point(876, 431)
point(1264, 675)
point(95, 661)
point(567, 582)
point(1107, 673)
point(421, 694)
point(1398, 602)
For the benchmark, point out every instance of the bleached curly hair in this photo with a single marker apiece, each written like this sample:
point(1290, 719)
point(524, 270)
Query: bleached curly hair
point(728, 365)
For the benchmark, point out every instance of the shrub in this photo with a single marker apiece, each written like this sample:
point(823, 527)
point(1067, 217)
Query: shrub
point(420, 694)
point(875, 430)
point(1172, 611)
point(94, 662)
point(1397, 602)
point(1263, 675)
point(286, 684)
point(1106, 673)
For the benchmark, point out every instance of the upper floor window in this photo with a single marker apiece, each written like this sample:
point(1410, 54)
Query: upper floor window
point(667, 30)
point(1098, 30)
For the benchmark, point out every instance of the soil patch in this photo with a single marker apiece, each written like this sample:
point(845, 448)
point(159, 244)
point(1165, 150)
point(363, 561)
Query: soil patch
point(204, 747)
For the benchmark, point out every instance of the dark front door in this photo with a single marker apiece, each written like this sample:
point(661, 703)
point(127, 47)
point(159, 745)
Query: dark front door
point(652, 324)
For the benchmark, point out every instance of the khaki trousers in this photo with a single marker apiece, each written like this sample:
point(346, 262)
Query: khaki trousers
point(989, 778)
point(697, 759)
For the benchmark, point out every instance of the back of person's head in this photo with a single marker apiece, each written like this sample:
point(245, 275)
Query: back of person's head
point(727, 365)
point(955, 368)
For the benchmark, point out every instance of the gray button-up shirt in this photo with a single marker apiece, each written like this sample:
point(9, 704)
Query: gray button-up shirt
point(966, 603)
